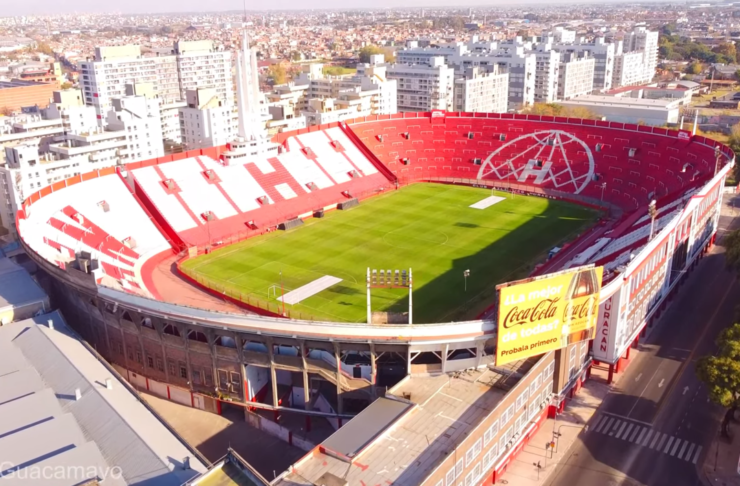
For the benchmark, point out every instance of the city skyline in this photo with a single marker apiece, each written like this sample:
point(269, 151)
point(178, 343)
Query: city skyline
point(133, 7)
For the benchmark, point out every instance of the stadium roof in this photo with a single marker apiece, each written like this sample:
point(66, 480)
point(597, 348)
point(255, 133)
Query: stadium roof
point(615, 101)
point(17, 288)
point(442, 410)
point(43, 423)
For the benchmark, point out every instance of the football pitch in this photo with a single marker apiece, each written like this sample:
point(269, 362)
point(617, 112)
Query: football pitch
point(429, 228)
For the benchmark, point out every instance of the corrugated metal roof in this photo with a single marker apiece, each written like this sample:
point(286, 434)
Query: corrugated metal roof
point(17, 288)
point(41, 371)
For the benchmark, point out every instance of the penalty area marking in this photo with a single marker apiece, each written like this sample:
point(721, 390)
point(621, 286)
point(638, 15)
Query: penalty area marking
point(311, 288)
point(487, 202)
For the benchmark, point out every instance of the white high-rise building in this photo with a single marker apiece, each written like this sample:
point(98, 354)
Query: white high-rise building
point(576, 76)
point(169, 115)
point(114, 67)
point(629, 69)
point(206, 121)
point(511, 57)
point(603, 54)
point(478, 91)
point(547, 74)
point(201, 65)
point(646, 42)
point(562, 35)
point(424, 87)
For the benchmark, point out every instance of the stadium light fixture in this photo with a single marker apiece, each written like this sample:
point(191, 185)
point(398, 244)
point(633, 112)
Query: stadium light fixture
point(717, 155)
point(387, 279)
point(653, 212)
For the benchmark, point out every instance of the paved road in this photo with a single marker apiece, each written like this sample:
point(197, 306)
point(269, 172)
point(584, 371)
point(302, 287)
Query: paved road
point(655, 426)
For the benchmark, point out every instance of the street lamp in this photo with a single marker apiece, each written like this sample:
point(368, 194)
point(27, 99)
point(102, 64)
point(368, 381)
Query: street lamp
point(466, 274)
point(603, 186)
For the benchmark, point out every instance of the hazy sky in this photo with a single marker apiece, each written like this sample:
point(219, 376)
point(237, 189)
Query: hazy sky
point(35, 7)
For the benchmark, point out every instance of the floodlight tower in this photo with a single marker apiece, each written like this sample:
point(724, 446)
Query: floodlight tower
point(387, 279)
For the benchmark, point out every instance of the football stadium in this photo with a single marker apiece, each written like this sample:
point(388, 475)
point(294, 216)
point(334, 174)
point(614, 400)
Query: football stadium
point(373, 276)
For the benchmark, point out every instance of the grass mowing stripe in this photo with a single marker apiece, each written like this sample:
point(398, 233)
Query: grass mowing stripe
point(427, 227)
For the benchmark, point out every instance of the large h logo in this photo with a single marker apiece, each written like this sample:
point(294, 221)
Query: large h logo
point(536, 168)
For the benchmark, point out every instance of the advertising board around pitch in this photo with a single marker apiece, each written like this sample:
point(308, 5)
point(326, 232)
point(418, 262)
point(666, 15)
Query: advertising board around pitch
point(546, 313)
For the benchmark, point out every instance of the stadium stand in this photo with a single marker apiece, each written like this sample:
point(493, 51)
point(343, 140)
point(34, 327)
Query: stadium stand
point(647, 163)
point(100, 217)
point(208, 203)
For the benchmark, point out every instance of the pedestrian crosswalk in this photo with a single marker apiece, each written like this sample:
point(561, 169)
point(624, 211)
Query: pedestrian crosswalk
point(645, 436)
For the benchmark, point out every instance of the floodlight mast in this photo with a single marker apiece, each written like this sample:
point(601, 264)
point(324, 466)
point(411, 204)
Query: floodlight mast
point(385, 280)
point(411, 305)
point(369, 312)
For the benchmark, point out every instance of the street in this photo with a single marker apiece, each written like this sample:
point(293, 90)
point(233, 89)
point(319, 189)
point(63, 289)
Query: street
point(655, 426)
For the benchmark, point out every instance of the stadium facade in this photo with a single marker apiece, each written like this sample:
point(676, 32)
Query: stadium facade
point(113, 240)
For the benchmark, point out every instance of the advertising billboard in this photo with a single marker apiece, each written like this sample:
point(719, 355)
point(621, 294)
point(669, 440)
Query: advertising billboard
point(547, 313)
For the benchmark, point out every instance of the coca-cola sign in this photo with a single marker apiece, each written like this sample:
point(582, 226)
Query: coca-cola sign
point(540, 315)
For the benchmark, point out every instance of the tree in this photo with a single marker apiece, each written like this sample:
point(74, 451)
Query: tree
point(721, 375)
point(727, 49)
point(44, 48)
point(732, 250)
point(6, 111)
point(66, 85)
point(728, 342)
point(277, 73)
point(733, 141)
point(295, 56)
point(368, 51)
point(694, 68)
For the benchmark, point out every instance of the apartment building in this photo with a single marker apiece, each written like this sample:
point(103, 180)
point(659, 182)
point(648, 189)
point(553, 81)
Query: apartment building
point(201, 65)
point(547, 74)
point(368, 92)
point(576, 76)
point(205, 120)
point(646, 42)
point(169, 116)
point(483, 92)
point(512, 57)
point(602, 52)
point(24, 170)
point(629, 69)
point(114, 67)
point(423, 87)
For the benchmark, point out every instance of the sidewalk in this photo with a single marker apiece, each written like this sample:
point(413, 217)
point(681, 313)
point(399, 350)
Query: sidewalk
point(720, 466)
point(523, 470)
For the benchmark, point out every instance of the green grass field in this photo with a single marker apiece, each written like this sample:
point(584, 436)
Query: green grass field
point(427, 227)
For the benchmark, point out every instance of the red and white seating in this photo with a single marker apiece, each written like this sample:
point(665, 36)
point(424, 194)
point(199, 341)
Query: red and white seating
point(205, 201)
point(100, 217)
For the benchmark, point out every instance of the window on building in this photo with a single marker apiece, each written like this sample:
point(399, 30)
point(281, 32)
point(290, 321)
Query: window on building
point(490, 433)
point(473, 452)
